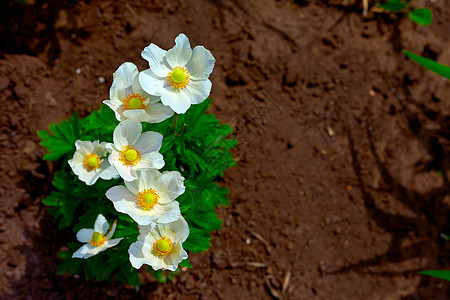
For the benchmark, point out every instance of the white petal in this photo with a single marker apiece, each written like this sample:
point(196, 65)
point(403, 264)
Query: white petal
point(87, 251)
point(153, 99)
point(82, 251)
point(85, 147)
point(128, 206)
point(198, 91)
point(85, 235)
point(112, 243)
point(110, 147)
point(177, 100)
point(168, 212)
point(101, 225)
point(157, 112)
point(107, 171)
point(126, 73)
point(152, 160)
point(120, 193)
point(149, 142)
point(150, 82)
point(133, 185)
point(141, 217)
point(100, 149)
point(137, 114)
point(156, 59)
point(177, 256)
point(113, 103)
point(145, 231)
point(159, 214)
point(126, 172)
point(173, 183)
point(147, 178)
point(137, 258)
point(111, 232)
point(89, 177)
point(201, 63)
point(181, 53)
point(127, 133)
point(93, 251)
point(137, 89)
point(180, 227)
point(75, 165)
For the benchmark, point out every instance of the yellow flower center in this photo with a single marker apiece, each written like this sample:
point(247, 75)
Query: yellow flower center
point(134, 101)
point(129, 156)
point(97, 239)
point(163, 247)
point(148, 198)
point(91, 161)
point(179, 77)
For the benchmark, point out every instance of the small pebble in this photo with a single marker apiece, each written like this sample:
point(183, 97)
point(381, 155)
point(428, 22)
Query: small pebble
point(101, 79)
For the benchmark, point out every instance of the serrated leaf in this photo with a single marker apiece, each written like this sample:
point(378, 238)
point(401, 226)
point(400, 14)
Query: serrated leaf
point(61, 139)
point(100, 124)
point(208, 220)
point(431, 65)
point(198, 241)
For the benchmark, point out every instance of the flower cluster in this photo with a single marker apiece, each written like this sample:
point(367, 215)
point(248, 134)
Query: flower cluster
point(176, 79)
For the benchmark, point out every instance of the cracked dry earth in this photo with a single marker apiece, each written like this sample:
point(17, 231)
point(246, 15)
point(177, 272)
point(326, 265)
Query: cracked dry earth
point(342, 184)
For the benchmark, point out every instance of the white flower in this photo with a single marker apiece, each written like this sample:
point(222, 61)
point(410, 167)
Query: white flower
point(179, 76)
point(95, 239)
point(160, 245)
point(132, 151)
point(150, 198)
point(129, 101)
point(88, 162)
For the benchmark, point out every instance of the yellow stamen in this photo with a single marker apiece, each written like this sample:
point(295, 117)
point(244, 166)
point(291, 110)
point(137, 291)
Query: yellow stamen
point(97, 239)
point(179, 77)
point(134, 101)
point(129, 156)
point(91, 161)
point(163, 247)
point(148, 198)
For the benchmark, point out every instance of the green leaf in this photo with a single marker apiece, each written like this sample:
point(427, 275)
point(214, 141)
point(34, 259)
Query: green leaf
point(439, 274)
point(208, 220)
point(198, 241)
point(100, 124)
point(160, 276)
point(186, 263)
point(393, 5)
point(61, 139)
point(421, 16)
point(431, 65)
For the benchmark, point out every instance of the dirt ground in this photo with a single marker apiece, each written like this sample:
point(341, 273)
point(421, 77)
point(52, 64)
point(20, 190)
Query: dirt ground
point(342, 185)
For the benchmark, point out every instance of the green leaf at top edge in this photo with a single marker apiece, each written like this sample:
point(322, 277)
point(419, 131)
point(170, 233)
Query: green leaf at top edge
point(438, 274)
point(421, 16)
point(393, 5)
point(430, 64)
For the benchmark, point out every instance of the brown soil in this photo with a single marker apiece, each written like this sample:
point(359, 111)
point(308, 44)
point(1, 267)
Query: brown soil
point(342, 184)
